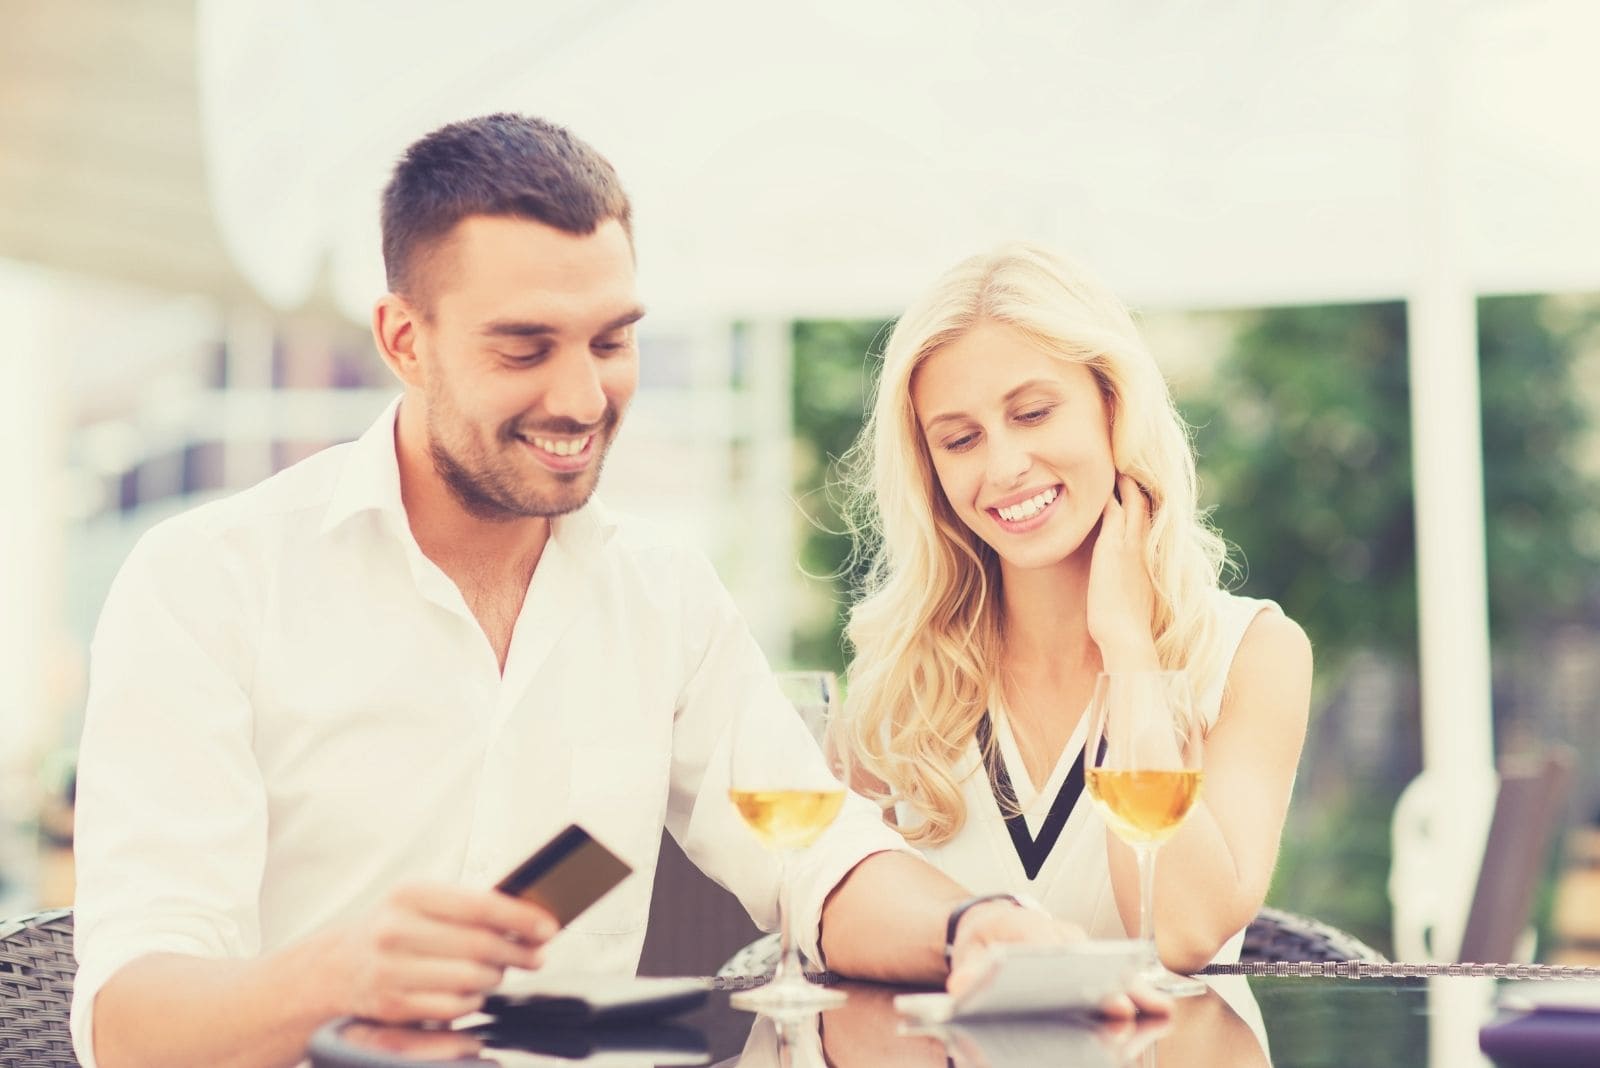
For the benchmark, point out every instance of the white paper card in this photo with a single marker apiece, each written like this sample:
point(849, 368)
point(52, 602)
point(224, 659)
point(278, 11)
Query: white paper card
point(1033, 980)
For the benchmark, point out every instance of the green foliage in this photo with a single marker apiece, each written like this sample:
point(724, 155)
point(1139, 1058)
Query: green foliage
point(1335, 864)
point(1304, 450)
point(1539, 498)
point(832, 385)
point(1305, 456)
point(1304, 445)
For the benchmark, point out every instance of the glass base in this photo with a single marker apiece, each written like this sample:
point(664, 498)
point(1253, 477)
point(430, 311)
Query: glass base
point(783, 997)
point(1174, 985)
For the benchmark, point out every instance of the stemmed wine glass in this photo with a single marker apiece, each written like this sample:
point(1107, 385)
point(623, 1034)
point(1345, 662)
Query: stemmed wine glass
point(788, 792)
point(1142, 768)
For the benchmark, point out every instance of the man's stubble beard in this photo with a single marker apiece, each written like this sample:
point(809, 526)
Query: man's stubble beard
point(499, 495)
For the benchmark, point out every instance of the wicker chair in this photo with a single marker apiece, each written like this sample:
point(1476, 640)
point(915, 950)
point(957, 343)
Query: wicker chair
point(36, 970)
point(753, 961)
point(1275, 935)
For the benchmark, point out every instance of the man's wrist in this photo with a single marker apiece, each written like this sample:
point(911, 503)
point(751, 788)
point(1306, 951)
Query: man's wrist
point(952, 924)
point(324, 989)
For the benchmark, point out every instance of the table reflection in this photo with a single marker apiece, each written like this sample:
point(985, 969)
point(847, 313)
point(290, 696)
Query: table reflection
point(414, 1044)
point(1457, 1006)
point(1223, 1027)
point(1313, 1022)
point(615, 1045)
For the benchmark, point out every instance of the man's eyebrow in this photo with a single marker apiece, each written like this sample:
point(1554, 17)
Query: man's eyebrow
point(526, 328)
point(1011, 395)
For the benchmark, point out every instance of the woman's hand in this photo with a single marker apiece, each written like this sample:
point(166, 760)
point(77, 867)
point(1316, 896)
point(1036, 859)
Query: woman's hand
point(1122, 598)
point(996, 922)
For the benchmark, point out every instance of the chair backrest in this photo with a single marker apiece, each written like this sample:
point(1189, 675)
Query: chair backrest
point(694, 923)
point(1481, 916)
point(1275, 935)
point(1528, 808)
point(36, 972)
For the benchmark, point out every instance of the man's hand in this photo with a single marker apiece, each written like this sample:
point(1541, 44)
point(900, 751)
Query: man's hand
point(431, 952)
point(997, 922)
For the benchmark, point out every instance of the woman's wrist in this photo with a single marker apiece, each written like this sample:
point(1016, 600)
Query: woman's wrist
point(963, 910)
point(1129, 654)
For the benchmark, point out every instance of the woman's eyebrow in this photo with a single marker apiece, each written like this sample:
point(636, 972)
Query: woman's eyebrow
point(1011, 395)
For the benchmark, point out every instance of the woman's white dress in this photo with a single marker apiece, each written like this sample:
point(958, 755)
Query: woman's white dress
point(1059, 864)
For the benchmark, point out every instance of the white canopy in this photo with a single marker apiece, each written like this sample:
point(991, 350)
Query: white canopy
point(826, 161)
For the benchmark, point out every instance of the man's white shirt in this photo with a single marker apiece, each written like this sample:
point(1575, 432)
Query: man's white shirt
point(292, 710)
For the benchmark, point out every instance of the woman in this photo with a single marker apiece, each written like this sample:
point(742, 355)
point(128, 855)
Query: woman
point(1029, 496)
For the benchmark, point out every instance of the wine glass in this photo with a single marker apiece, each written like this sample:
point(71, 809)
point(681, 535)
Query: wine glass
point(784, 1041)
point(1142, 768)
point(788, 782)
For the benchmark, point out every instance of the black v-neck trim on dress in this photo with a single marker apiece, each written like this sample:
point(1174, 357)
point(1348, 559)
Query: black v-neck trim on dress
point(1033, 852)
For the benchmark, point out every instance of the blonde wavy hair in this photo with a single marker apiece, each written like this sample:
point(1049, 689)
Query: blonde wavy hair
point(927, 632)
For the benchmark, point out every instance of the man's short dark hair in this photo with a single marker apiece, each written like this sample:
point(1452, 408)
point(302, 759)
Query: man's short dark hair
point(506, 165)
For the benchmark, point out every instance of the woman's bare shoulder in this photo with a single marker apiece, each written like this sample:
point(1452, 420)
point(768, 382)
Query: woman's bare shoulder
point(1273, 666)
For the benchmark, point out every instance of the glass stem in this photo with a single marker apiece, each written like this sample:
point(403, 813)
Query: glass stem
point(1147, 902)
point(789, 968)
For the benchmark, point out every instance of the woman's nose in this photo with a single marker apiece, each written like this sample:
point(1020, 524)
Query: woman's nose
point(1008, 461)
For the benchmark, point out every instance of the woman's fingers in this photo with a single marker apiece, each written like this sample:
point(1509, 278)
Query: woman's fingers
point(1118, 1007)
point(1136, 508)
point(1148, 999)
point(1112, 517)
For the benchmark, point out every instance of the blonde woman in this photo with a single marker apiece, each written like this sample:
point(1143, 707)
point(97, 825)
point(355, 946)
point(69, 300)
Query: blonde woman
point(1030, 504)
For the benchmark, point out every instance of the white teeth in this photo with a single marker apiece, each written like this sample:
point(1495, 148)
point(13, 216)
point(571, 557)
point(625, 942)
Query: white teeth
point(562, 448)
point(1029, 508)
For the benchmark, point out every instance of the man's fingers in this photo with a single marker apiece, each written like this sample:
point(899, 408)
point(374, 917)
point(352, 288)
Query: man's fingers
point(422, 1044)
point(481, 908)
point(408, 934)
point(413, 1007)
point(440, 975)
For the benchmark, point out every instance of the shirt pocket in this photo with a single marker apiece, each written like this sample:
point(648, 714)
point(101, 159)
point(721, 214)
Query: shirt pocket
point(619, 795)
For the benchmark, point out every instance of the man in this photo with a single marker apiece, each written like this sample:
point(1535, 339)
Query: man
point(326, 714)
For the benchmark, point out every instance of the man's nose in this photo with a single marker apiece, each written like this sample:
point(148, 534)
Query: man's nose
point(574, 390)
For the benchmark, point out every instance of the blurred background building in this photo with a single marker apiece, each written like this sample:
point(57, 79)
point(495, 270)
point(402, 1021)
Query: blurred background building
point(1373, 279)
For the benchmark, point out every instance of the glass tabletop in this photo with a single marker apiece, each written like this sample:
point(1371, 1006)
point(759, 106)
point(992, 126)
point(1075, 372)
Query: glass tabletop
point(1243, 1021)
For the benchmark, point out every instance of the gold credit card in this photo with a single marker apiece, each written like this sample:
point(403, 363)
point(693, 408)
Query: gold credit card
point(566, 875)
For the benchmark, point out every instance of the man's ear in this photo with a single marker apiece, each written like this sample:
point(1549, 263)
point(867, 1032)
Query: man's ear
point(394, 328)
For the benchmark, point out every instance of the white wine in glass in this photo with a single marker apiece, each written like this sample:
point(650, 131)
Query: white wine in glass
point(788, 819)
point(1142, 768)
point(788, 782)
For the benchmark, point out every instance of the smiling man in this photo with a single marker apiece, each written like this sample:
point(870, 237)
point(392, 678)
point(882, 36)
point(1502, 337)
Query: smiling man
point(328, 713)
